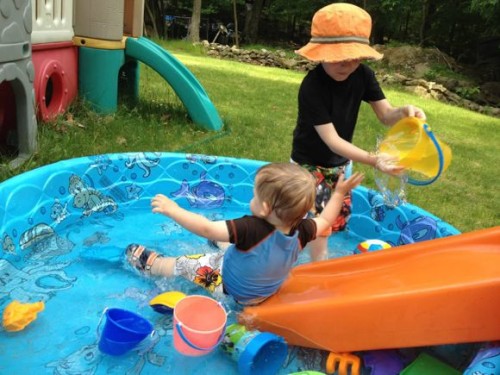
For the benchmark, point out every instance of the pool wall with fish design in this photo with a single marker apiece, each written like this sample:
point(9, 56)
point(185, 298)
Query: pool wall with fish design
point(85, 204)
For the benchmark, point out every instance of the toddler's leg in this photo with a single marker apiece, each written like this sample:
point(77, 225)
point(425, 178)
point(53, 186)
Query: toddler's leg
point(149, 262)
point(318, 249)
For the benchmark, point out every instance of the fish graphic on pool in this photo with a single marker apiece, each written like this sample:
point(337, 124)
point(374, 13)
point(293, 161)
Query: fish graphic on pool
point(206, 194)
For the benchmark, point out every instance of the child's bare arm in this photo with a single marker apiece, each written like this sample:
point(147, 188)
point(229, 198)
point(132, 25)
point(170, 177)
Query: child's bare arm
point(198, 224)
point(334, 205)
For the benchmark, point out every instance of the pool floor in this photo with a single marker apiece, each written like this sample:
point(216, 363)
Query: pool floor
point(80, 271)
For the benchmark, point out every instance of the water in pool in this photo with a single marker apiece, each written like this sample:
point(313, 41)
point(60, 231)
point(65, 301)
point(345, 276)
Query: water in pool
point(78, 282)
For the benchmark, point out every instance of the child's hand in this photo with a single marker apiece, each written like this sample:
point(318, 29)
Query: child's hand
point(343, 186)
point(163, 205)
point(388, 164)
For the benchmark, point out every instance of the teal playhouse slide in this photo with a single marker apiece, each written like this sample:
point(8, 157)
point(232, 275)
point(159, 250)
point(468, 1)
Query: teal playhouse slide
point(184, 83)
point(107, 73)
point(111, 43)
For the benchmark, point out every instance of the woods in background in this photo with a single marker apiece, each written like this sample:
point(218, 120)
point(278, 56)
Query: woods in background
point(468, 30)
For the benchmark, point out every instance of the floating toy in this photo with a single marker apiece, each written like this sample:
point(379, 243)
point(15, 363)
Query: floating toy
point(417, 148)
point(17, 315)
point(371, 245)
point(343, 364)
point(382, 362)
point(164, 303)
point(426, 364)
point(123, 331)
point(486, 361)
point(255, 352)
point(199, 325)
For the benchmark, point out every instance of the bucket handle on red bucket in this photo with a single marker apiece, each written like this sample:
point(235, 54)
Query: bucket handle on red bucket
point(178, 326)
point(431, 135)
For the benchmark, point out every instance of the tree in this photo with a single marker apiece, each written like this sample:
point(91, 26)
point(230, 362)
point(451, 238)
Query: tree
point(252, 15)
point(194, 26)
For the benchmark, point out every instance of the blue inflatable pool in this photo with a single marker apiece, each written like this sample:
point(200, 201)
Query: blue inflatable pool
point(64, 228)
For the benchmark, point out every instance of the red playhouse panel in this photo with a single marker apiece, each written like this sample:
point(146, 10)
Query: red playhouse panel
point(56, 78)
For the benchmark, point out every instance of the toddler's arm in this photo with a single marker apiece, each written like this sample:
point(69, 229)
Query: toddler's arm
point(334, 205)
point(198, 224)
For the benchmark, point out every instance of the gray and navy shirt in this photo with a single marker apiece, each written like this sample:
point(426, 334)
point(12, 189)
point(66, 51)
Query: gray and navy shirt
point(260, 257)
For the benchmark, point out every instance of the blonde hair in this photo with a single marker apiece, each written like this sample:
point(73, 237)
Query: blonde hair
point(288, 189)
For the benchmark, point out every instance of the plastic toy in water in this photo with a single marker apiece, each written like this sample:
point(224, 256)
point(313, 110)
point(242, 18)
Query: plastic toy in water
point(17, 315)
point(417, 148)
point(486, 361)
point(371, 245)
point(426, 364)
point(164, 303)
point(343, 364)
point(255, 352)
point(383, 362)
point(199, 325)
point(122, 332)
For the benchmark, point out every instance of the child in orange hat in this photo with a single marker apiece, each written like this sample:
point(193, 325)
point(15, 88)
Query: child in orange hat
point(328, 105)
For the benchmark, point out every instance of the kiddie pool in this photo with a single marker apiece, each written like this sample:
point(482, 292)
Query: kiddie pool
point(63, 230)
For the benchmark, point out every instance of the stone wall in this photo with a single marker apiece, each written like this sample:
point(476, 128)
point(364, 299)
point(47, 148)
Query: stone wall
point(281, 59)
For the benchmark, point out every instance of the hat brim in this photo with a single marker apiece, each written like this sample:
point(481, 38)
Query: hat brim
point(336, 52)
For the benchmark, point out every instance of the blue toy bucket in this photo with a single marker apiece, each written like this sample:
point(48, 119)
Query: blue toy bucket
point(123, 331)
point(256, 352)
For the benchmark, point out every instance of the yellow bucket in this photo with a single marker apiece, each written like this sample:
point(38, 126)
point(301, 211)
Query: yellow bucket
point(417, 148)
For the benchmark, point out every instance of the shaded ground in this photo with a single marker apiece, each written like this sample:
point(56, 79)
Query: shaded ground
point(479, 84)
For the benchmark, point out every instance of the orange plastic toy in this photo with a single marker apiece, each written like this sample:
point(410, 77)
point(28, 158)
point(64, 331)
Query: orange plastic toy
point(17, 315)
point(343, 364)
point(435, 292)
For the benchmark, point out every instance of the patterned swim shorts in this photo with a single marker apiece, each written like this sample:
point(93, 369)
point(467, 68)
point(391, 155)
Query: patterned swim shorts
point(206, 270)
point(326, 179)
point(202, 269)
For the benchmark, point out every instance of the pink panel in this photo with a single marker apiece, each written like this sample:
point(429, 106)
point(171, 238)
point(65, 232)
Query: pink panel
point(56, 78)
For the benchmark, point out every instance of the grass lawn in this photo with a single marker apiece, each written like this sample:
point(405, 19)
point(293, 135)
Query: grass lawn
point(258, 107)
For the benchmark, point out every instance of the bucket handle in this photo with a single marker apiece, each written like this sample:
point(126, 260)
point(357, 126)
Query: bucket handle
point(431, 135)
point(98, 329)
point(193, 346)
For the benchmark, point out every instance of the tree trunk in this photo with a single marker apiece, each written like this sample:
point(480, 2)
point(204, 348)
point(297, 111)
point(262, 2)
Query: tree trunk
point(428, 10)
point(252, 15)
point(194, 26)
point(153, 20)
point(236, 31)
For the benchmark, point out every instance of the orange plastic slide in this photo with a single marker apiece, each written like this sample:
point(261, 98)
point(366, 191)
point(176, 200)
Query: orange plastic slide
point(435, 292)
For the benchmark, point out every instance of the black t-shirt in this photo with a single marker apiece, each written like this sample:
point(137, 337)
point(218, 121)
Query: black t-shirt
point(322, 100)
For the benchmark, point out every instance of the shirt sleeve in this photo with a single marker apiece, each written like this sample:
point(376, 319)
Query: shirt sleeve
point(373, 91)
point(307, 231)
point(247, 231)
point(313, 108)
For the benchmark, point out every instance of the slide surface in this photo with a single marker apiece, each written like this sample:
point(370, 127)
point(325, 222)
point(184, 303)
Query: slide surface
point(435, 292)
point(186, 86)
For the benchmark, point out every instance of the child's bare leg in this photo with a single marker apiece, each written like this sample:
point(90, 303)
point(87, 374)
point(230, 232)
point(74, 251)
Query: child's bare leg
point(318, 249)
point(163, 266)
point(149, 261)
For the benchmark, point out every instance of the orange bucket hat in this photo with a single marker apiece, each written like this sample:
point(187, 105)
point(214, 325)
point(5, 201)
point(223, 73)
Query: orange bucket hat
point(340, 32)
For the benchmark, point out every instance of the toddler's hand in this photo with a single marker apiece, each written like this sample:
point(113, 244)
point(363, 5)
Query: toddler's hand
point(388, 164)
point(343, 186)
point(163, 205)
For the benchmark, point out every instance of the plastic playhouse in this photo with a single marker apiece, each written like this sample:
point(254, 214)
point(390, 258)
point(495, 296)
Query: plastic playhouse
point(54, 50)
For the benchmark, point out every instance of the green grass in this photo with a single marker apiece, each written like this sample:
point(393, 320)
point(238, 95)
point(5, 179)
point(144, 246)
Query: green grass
point(258, 107)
